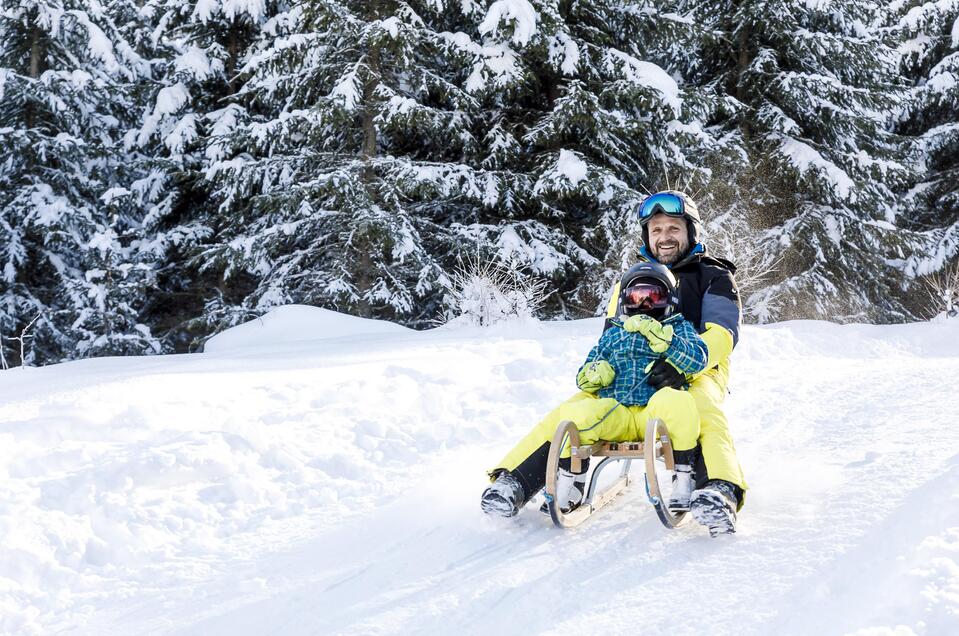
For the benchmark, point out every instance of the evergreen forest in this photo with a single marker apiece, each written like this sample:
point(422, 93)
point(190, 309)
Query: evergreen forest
point(171, 168)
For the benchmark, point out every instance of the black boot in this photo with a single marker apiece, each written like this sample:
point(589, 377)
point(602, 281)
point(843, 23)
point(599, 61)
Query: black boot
point(714, 506)
point(504, 497)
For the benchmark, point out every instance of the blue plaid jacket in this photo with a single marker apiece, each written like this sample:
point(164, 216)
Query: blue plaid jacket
point(629, 355)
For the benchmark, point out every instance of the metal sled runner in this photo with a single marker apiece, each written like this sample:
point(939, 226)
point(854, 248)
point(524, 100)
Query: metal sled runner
point(656, 447)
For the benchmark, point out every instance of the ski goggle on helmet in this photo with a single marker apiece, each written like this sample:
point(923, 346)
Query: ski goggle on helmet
point(662, 202)
point(645, 297)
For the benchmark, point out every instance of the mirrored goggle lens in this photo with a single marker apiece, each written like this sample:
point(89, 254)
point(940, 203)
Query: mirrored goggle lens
point(663, 202)
point(646, 296)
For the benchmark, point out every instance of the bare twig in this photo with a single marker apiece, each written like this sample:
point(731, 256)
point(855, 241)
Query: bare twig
point(22, 338)
point(943, 289)
point(733, 238)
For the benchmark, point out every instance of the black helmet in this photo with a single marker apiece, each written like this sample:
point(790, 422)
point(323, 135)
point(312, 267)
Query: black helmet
point(671, 203)
point(648, 288)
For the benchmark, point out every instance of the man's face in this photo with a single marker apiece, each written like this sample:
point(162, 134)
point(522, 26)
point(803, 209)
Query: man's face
point(668, 238)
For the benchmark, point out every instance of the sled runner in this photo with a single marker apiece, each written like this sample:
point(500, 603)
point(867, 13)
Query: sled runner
point(656, 447)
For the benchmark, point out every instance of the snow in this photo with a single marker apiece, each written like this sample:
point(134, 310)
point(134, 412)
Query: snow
point(804, 157)
point(205, 10)
point(349, 89)
point(195, 62)
point(171, 98)
point(315, 473)
point(563, 47)
point(648, 74)
point(99, 44)
point(297, 324)
point(49, 206)
point(571, 166)
point(520, 12)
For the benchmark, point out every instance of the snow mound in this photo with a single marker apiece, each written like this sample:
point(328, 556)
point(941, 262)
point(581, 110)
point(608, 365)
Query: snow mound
point(297, 323)
point(266, 491)
point(803, 339)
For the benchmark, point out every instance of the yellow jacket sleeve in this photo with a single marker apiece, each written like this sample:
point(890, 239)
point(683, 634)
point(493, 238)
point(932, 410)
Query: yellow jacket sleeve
point(613, 302)
point(719, 344)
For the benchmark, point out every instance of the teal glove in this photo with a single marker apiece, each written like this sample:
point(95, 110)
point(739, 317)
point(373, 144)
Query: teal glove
point(658, 334)
point(595, 375)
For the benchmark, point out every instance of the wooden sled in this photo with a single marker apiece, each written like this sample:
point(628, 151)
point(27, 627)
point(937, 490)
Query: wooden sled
point(657, 446)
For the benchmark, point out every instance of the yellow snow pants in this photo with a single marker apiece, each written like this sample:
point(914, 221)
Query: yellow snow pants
point(719, 453)
point(690, 415)
point(606, 419)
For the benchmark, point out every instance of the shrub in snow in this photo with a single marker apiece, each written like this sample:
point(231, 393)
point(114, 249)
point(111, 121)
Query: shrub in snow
point(942, 292)
point(731, 237)
point(485, 292)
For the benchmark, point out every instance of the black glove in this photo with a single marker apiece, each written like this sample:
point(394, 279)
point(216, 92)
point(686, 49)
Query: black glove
point(663, 374)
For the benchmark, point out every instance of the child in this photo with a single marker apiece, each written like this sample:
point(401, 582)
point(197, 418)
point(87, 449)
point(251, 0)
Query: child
point(615, 402)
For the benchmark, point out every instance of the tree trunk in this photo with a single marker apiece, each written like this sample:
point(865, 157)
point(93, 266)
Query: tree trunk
point(364, 267)
point(369, 112)
point(743, 60)
point(233, 52)
point(36, 59)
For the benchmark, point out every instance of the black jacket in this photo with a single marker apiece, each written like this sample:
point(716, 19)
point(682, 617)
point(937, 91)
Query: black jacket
point(707, 291)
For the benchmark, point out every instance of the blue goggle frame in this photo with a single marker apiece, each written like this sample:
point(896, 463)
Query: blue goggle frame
point(664, 202)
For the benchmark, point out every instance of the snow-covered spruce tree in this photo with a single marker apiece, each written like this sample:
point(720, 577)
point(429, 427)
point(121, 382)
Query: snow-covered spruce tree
point(580, 121)
point(928, 34)
point(200, 47)
point(808, 88)
point(67, 226)
point(342, 168)
point(403, 135)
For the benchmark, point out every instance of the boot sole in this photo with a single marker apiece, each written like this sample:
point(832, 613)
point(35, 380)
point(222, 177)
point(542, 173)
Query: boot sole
point(712, 510)
point(498, 506)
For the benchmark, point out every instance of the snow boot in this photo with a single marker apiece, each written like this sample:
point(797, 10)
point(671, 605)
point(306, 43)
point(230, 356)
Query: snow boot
point(684, 480)
point(714, 506)
point(570, 490)
point(504, 497)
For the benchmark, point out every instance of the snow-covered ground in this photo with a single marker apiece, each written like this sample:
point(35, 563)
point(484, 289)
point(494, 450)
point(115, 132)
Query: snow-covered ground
point(319, 474)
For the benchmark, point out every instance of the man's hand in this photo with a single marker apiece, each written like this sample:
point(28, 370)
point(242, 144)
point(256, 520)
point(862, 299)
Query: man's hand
point(595, 375)
point(658, 334)
point(662, 374)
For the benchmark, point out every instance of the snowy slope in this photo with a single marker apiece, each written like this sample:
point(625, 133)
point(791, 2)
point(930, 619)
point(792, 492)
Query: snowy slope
point(317, 474)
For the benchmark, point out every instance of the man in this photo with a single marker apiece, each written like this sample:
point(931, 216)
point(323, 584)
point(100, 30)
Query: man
point(708, 298)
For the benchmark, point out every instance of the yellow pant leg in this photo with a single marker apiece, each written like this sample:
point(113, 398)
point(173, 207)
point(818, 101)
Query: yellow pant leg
point(678, 411)
point(595, 417)
point(599, 419)
point(538, 435)
point(709, 390)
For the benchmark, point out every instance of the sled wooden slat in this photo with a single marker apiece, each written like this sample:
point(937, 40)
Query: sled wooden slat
point(616, 449)
point(609, 493)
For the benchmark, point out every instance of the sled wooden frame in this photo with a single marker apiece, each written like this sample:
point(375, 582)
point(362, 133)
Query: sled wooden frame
point(657, 446)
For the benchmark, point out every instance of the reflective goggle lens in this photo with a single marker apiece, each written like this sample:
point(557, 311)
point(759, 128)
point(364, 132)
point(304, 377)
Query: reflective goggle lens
point(646, 296)
point(662, 202)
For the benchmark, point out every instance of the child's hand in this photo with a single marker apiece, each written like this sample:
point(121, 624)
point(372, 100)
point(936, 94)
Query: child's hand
point(661, 373)
point(658, 334)
point(595, 375)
